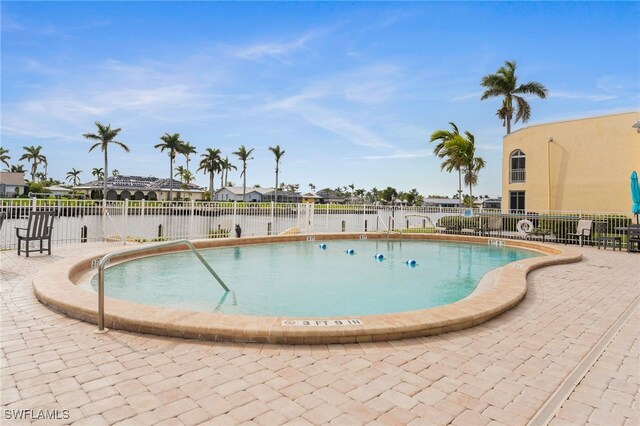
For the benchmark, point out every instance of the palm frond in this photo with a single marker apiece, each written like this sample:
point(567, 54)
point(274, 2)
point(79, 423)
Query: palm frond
point(524, 109)
point(533, 88)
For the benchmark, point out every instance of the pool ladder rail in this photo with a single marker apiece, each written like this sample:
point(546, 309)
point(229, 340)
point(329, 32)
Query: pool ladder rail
point(107, 258)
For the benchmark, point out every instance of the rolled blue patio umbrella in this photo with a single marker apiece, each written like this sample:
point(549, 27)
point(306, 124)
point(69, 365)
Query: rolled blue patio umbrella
point(635, 195)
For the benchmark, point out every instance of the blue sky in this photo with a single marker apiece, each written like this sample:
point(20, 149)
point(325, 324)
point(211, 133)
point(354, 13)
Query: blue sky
point(351, 91)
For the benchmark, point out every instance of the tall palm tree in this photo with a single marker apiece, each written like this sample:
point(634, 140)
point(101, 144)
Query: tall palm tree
point(243, 155)
point(225, 167)
point(440, 151)
point(312, 187)
point(187, 150)
point(74, 176)
point(210, 163)
point(277, 153)
point(505, 83)
point(34, 156)
point(98, 173)
point(173, 144)
point(106, 136)
point(462, 151)
point(4, 156)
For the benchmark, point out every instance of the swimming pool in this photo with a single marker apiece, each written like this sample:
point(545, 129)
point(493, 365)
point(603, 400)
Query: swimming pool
point(301, 279)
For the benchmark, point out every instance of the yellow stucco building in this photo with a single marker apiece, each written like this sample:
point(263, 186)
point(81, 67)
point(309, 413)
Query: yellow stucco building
point(574, 165)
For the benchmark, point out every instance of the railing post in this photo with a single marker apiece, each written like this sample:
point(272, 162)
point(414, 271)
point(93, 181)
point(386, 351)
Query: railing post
point(104, 219)
point(233, 226)
point(125, 220)
point(101, 328)
point(104, 261)
point(192, 210)
point(273, 222)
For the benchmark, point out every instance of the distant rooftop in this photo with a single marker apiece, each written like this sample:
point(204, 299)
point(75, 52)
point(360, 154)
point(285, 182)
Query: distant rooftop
point(137, 182)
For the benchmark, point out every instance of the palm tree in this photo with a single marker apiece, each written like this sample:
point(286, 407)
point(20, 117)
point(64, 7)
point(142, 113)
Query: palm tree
point(243, 155)
point(277, 153)
point(225, 166)
point(180, 173)
point(187, 150)
point(187, 178)
point(4, 156)
point(440, 151)
point(312, 187)
point(174, 145)
point(18, 168)
point(505, 83)
point(33, 154)
point(210, 163)
point(115, 173)
point(462, 151)
point(98, 173)
point(74, 176)
point(105, 137)
point(375, 193)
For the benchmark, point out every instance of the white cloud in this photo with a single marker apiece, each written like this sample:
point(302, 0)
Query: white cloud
point(583, 96)
point(467, 96)
point(371, 85)
point(274, 50)
point(394, 156)
point(329, 119)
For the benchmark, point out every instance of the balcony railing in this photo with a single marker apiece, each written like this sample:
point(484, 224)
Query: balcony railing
point(517, 176)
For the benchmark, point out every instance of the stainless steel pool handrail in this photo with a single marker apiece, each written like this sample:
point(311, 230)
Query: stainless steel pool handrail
point(107, 258)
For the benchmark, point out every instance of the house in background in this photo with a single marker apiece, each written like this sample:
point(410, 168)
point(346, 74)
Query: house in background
point(283, 196)
point(441, 202)
point(492, 203)
point(58, 191)
point(329, 196)
point(573, 165)
point(309, 197)
point(12, 184)
point(140, 188)
point(234, 193)
point(256, 195)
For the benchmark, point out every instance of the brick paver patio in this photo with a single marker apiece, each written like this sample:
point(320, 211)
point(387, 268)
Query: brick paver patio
point(501, 372)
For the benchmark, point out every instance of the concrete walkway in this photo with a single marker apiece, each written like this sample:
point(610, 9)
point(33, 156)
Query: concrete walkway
point(499, 373)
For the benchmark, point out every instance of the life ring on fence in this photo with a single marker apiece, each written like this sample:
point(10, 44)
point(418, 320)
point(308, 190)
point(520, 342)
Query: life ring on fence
point(524, 226)
point(467, 213)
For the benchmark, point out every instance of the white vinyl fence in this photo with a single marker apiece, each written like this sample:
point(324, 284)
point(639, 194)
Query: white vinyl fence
point(79, 221)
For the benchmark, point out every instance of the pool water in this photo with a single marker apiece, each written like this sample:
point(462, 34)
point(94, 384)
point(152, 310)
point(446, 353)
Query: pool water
point(304, 280)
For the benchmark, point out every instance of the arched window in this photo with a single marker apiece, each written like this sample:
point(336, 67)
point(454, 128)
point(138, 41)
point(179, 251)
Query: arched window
point(517, 166)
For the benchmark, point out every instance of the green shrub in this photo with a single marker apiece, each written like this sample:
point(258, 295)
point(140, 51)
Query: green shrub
point(419, 230)
point(459, 222)
point(219, 233)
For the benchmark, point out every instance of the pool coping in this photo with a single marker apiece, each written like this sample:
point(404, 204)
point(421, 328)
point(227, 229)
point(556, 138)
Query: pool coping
point(55, 286)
